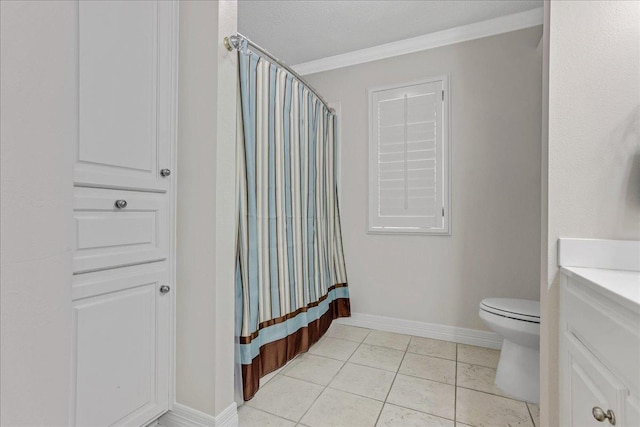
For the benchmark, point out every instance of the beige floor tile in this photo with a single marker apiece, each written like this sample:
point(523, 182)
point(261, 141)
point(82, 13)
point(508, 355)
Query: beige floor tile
point(377, 357)
point(435, 348)
point(264, 380)
point(250, 417)
point(395, 416)
point(430, 368)
point(423, 395)
point(315, 369)
point(340, 409)
point(478, 355)
point(534, 410)
point(478, 378)
point(349, 333)
point(486, 410)
point(388, 339)
point(286, 397)
point(363, 380)
point(334, 348)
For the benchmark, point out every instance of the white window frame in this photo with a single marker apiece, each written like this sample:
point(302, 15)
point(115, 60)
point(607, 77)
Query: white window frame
point(446, 164)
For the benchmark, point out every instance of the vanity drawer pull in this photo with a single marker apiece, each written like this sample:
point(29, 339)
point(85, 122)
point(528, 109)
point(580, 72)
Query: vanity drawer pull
point(600, 415)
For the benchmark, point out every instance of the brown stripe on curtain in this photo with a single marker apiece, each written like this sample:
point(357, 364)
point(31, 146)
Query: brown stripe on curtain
point(276, 354)
point(248, 339)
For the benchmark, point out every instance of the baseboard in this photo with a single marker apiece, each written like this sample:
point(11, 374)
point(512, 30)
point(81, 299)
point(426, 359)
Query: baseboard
point(184, 416)
point(228, 417)
point(423, 329)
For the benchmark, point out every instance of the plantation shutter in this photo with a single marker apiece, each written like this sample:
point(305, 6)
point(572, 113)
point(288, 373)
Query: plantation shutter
point(407, 159)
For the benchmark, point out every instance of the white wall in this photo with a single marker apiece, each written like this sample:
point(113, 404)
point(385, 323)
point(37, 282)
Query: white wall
point(594, 127)
point(206, 210)
point(226, 211)
point(548, 373)
point(38, 130)
point(593, 145)
point(495, 137)
point(195, 293)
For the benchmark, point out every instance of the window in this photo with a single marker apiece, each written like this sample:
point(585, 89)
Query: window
point(409, 158)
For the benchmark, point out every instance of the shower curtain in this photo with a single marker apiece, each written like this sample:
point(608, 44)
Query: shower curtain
point(290, 274)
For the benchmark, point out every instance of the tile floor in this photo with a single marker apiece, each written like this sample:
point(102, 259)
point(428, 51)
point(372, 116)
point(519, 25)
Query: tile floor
point(360, 377)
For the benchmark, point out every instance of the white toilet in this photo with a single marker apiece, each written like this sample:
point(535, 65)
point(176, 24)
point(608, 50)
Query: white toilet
point(518, 322)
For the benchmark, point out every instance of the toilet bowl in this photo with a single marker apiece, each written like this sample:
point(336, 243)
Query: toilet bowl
point(518, 322)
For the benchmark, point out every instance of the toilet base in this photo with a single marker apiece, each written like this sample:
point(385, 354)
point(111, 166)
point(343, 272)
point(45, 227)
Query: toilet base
point(519, 372)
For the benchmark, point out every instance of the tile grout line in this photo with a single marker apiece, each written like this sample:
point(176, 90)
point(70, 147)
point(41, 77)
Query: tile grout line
point(344, 362)
point(418, 377)
point(394, 378)
point(309, 382)
point(385, 401)
point(420, 412)
point(408, 375)
point(492, 394)
point(533, 423)
point(396, 372)
point(271, 413)
point(419, 354)
point(392, 383)
point(384, 346)
point(455, 393)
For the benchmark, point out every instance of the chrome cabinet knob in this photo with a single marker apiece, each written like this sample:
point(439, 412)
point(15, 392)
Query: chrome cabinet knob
point(121, 204)
point(165, 172)
point(164, 289)
point(600, 415)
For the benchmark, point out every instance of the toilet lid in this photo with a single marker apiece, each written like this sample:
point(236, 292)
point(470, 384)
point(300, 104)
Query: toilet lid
point(519, 309)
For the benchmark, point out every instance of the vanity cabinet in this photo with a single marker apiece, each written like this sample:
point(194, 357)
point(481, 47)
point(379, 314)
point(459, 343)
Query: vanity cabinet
point(124, 212)
point(599, 348)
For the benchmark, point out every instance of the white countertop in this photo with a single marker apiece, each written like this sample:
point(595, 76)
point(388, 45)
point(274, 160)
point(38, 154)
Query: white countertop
point(620, 285)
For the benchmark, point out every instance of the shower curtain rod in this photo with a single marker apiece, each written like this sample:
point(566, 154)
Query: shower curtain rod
point(233, 42)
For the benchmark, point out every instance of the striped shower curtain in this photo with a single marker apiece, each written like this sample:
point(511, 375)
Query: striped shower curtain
point(290, 277)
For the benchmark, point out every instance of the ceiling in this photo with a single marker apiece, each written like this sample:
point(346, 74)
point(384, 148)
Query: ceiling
point(301, 31)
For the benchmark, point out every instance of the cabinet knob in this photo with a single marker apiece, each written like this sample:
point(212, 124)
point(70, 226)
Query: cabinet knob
point(121, 204)
point(164, 289)
point(600, 415)
point(165, 172)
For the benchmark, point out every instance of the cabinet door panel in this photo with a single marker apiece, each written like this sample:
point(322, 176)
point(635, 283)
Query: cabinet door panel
point(125, 75)
point(108, 237)
point(120, 348)
point(632, 411)
point(607, 330)
point(587, 384)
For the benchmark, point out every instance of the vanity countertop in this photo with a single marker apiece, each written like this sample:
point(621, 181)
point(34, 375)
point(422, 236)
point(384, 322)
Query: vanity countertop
point(620, 285)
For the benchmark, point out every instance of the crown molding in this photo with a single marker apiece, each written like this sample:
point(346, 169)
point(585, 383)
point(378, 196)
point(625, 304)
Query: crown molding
point(490, 27)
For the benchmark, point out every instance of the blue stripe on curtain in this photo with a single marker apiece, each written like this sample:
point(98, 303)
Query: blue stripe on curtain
point(290, 276)
point(273, 244)
point(275, 332)
point(287, 185)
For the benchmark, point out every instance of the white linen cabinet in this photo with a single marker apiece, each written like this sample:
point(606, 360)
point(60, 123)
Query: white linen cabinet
point(124, 212)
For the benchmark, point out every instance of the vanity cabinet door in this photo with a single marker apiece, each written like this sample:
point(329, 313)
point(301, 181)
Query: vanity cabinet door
point(588, 384)
point(632, 411)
